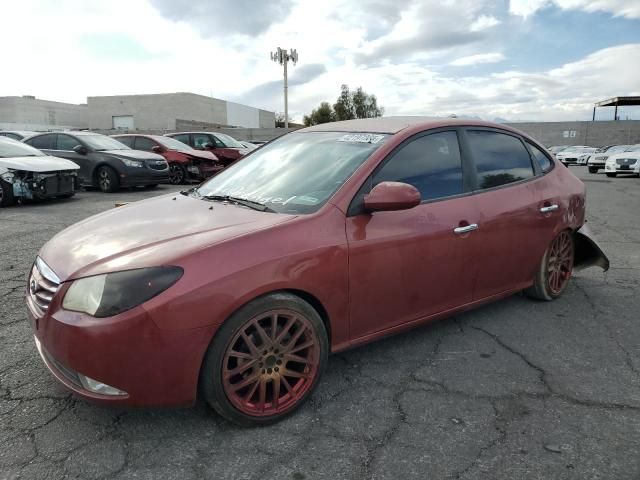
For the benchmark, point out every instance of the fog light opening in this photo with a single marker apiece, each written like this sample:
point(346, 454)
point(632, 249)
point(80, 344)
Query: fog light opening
point(96, 386)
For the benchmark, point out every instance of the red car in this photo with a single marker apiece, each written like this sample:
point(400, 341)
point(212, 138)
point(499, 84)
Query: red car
point(225, 147)
point(185, 163)
point(329, 237)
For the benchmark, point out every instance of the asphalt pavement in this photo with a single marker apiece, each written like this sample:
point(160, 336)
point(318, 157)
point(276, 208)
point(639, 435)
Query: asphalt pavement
point(515, 390)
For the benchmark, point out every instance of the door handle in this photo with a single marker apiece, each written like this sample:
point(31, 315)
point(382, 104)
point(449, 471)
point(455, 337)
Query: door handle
point(548, 209)
point(466, 229)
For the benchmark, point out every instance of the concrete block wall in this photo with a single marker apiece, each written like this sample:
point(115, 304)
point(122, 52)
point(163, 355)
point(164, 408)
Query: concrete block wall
point(596, 134)
point(44, 114)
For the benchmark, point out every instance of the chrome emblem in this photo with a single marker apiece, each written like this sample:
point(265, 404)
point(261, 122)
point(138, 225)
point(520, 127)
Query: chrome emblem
point(33, 287)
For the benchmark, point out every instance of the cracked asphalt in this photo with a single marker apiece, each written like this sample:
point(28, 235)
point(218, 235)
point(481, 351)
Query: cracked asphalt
point(515, 390)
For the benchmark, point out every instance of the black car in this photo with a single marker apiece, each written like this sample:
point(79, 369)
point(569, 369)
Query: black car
point(104, 162)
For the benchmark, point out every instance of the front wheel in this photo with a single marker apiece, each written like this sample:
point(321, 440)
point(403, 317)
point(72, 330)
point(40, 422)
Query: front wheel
point(555, 268)
point(593, 169)
point(265, 360)
point(108, 179)
point(177, 174)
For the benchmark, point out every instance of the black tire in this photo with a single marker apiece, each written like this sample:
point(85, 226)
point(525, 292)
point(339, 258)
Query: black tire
point(541, 288)
point(107, 179)
point(66, 195)
point(177, 174)
point(151, 187)
point(211, 375)
point(593, 169)
point(6, 194)
point(612, 175)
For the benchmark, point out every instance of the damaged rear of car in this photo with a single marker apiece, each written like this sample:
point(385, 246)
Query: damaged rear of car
point(28, 174)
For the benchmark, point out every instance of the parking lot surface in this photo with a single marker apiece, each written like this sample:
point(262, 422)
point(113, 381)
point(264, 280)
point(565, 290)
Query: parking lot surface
point(517, 389)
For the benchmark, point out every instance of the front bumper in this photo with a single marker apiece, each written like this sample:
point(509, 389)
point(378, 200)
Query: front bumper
point(138, 176)
point(620, 169)
point(152, 366)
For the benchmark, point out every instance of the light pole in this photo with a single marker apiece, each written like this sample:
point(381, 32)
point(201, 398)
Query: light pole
point(282, 57)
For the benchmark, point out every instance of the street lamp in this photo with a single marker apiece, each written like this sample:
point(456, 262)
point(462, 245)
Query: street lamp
point(282, 57)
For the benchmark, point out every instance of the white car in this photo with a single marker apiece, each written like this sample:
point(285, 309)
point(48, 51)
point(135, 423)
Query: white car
point(624, 162)
point(27, 173)
point(598, 159)
point(569, 156)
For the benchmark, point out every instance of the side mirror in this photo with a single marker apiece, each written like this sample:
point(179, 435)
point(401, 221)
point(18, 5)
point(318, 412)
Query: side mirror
point(80, 149)
point(156, 149)
point(389, 196)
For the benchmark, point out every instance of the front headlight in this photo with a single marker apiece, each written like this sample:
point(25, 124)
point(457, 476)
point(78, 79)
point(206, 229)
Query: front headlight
point(113, 293)
point(132, 163)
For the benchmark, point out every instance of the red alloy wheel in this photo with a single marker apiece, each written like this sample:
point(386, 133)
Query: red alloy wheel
point(271, 363)
point(560, 262)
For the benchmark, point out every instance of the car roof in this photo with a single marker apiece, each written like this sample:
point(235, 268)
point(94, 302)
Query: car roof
point(148, 135)
point(392, 125)
point(185, 133)
point(19, 132)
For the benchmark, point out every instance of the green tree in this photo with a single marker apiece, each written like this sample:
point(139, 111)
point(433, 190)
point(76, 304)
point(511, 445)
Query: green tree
point(323, 114)
point(344, 105)
point(365, 105)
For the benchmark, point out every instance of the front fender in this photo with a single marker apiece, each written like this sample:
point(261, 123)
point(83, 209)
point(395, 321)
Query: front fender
point(587, 251)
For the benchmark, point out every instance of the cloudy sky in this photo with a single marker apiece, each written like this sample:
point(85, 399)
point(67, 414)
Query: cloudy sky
point(515, 60)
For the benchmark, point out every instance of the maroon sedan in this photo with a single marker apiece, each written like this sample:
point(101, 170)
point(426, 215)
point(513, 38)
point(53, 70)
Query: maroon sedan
point(327, 238)
point(225, 147)
point(185, 163)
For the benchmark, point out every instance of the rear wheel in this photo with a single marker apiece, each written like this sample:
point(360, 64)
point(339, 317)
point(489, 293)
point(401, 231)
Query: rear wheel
point(555, 269)
point(6, 194)
point(177, 174)
point(593, 169)
point(609, 174)
point(108, 179)
point(265, 360)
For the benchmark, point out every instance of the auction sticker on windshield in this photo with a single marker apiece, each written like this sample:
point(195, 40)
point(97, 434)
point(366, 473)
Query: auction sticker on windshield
point(361, 138)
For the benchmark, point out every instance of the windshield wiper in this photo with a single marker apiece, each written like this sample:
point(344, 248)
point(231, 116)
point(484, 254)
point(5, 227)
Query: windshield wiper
point(261, 207)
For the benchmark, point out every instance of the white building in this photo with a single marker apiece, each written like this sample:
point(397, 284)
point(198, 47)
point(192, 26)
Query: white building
point(30, 113)
point(172, 111)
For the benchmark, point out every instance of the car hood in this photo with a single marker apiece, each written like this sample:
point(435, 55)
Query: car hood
point(37, 164)
point(153, 232)
point(134, 154)
point(202, 154)
point(616, 156)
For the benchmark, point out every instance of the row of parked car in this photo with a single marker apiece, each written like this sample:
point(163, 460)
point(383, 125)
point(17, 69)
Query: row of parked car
point(613, 159)
point(54, 164)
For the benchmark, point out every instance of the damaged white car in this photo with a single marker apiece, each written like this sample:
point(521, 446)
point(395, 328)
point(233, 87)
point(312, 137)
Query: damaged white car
point(26, 174)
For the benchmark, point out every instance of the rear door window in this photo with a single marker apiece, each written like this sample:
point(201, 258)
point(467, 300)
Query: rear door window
point(46, 142)
point(499, 158)
point(540, 157)
point(128, 141)
point(183, 137)
point(144, 143)
point(66, 142)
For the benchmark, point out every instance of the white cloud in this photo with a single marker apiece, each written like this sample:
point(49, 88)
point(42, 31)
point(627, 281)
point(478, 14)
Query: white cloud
point(483, 22)
point(624, 8)
point(478, 59)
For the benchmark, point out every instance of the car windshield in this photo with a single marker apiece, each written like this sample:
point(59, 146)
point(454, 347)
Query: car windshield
point(616, 149)
point(102, 142)
point(173, 144)
point(296, 173)
point(229, 141)
point(10, 148)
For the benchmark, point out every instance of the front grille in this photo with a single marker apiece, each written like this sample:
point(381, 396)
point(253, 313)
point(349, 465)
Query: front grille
point(157, 165)
point(43, 285)
point(626, 161)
